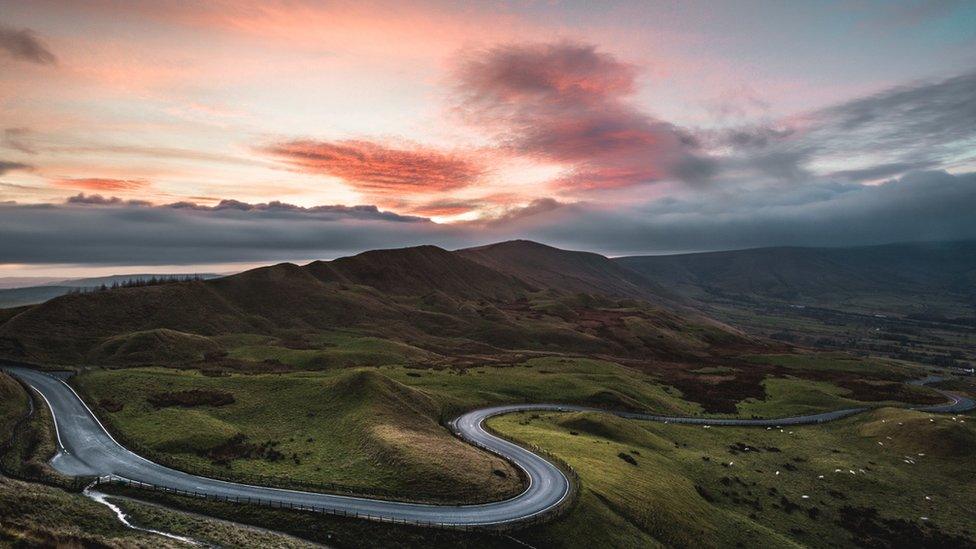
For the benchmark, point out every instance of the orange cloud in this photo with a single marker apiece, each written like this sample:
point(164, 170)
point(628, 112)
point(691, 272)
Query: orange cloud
point(102, 184)
point(379, 170)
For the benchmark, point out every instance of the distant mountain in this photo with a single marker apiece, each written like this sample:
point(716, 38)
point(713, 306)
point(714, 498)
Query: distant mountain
point(16, 297)
point(895, 277)
point(9, 282)
point(571, 271)
point(94, 282)
point(43, 289)
point(479, 302)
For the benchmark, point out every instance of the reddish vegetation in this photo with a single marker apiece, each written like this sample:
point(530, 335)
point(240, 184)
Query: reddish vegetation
point(868, 529)
point(110, 405)
point(193, 397)
point(237, 447)
point(721, 393)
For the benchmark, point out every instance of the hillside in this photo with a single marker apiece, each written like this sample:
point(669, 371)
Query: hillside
point(15, 292)
point(914, 301)
point(426, 297)
point(570, 271)
point(418, 271)
point(945, 271)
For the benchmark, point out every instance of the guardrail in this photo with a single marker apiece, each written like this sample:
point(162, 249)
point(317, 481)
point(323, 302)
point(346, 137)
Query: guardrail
point(566, 503)
point(263, 480)
point(277, 504)
point(571, 474)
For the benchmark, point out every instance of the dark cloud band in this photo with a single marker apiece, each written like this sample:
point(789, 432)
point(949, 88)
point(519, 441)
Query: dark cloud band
point(96, 230)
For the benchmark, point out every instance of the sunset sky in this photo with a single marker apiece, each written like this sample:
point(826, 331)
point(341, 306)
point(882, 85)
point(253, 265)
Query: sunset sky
point(177, 136)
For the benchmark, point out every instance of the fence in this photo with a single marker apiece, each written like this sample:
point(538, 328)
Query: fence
point(262, 480)
point(545, 516)
point(278, 504)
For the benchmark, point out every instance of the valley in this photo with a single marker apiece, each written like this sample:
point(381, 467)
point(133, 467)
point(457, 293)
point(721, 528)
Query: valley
point(342, 377)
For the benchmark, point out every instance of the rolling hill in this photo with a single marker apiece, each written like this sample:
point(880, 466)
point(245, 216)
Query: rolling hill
point(484, 302)
point(907, 275)
point(570, 271)
point(15, 292)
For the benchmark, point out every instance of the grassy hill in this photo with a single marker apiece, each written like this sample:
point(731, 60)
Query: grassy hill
point(824, 276)
point(649, 484)
point(914, 302)
point(546, 267)
point(426, 297)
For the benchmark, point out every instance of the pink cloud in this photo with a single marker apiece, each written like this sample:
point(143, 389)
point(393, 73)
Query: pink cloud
point(102, 184)
point(568, 103)
point(380, 170)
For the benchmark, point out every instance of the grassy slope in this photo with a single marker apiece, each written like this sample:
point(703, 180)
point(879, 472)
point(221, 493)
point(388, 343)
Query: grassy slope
point(424, 297)
point(364, 427)
point(657, 500)
point(354, 427)
point(13, 404)
point(61, 519)
point(204, 529)
point(328, 350)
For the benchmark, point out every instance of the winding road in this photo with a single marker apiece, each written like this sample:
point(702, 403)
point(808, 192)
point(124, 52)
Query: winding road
point(86, 448)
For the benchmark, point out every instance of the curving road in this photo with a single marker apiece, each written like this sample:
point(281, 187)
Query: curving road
point(86, 448)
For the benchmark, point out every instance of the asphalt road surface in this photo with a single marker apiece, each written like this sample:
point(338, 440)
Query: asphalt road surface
point(86, 448)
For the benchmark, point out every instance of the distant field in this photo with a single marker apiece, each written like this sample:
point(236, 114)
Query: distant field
point(905, 479)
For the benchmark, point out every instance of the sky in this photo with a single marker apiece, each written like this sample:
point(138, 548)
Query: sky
point(214, 136)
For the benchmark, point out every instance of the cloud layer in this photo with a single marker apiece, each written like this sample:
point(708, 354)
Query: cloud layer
point(97, 230)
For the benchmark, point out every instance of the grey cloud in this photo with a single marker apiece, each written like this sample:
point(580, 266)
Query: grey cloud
point(7, 166)
point(919, 126)
point(918, 206)
point(92, 229)
point(16, 138)
point(99, 200)
point(880, 171)
point(23, 44)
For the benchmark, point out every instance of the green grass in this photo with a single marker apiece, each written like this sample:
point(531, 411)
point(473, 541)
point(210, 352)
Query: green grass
point(787, 397)
point(61, 519)
point(13, 405)
point(372, 430)
point(356, 428)
point(659, 500)
point(153, 346)
point(216, 533)
point(331, 350)
point(547, 379)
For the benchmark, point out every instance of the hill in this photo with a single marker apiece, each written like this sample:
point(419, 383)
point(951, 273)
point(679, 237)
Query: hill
point(420, 270)
point(570, 271)
point(31, 290)
point(822, 276)
point(913, 301)
point(425, 297)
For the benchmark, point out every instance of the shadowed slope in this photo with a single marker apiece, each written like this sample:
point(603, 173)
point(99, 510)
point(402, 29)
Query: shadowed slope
point(570, 271)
